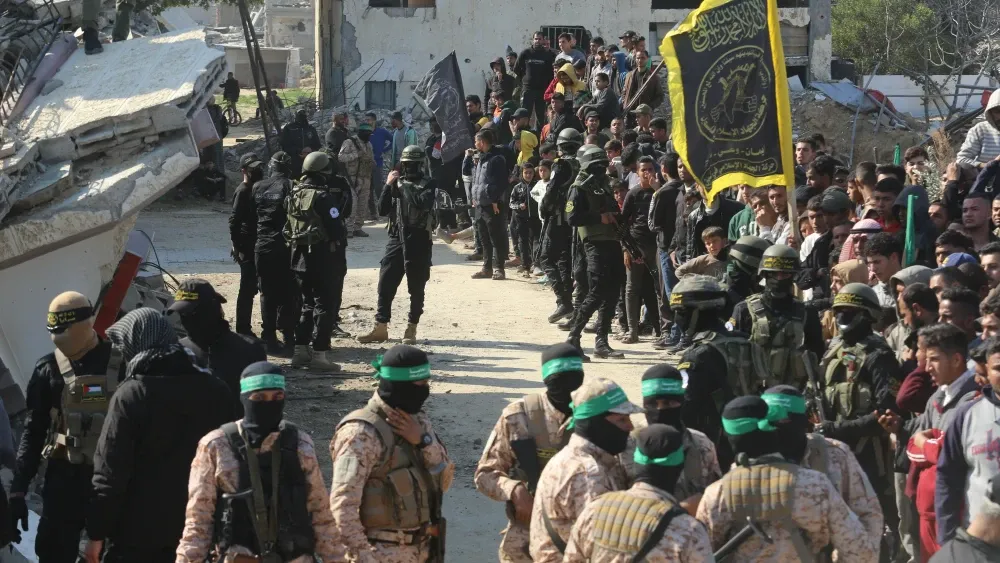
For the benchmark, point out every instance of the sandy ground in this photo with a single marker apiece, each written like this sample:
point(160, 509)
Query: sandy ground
point(485, 338)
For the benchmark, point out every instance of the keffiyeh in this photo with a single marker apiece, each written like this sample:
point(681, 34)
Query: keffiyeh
point(142, 336)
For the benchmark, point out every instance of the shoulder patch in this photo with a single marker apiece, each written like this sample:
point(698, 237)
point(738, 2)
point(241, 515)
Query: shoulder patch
point(345, 469)
point(569, 206)
point(684, 365)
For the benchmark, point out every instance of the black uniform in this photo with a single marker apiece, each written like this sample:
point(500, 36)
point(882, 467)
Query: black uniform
point(557, 234)
point(605, 269)
point(409, 248)
point(642, 280)
point(67, 487)
point(320, 269)
point(278, 302)
point(520, 222)
point(227, 354)
point(243, 234)
point(294, 138)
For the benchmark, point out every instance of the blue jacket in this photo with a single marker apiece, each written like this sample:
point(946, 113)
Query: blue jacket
point(381, 141)
point(489, 177)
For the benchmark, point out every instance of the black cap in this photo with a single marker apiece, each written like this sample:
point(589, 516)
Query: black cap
point(592, 113)
point(804, 193)
point(628, 34)
point(835, 200)
point(249, 160)
point(397, 115)
point(521, 113)
point(658, 440)
point(192, 292)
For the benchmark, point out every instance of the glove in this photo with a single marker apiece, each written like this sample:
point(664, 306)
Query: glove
point(823, 427)
point(18, 511)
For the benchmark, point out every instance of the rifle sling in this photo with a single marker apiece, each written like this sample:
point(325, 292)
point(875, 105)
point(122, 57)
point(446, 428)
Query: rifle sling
point(656, 535)
point(265, 528)
point(553, 534)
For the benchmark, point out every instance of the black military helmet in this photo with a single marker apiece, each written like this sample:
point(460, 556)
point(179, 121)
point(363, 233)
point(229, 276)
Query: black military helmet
point(858, 296)
point(569, 140)
point(281, 158)
point(317, 162)
point(412, 153)
point(590, 155)
point(780, 258)
point(748, 251)
point(698, 292)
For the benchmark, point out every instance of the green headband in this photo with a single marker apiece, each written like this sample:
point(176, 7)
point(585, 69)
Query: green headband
point(654, 387)
point(672, 460)
point(740, 426)
point(262, 381)
point(560, 365)
point(779, 405)
point(389, 373)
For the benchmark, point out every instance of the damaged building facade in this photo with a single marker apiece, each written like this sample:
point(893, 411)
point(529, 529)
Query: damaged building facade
point(388, 45)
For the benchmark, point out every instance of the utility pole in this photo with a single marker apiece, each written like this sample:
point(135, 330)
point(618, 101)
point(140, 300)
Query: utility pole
point(329, 68)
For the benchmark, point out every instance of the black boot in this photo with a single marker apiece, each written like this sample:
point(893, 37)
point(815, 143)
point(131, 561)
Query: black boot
point(604, 350)
point(91, 42)
point(338, 332)
point(575, 342)
point(562, 311)
point(277, 349)
point(566, 324)
point(591, 328)
point(682, 344)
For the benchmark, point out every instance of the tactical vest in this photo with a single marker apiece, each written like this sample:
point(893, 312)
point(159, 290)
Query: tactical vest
point(408, 213)
point(765, 493)
point(77, 424)
point(304, 226)
point(819, 457)
point(779, 341)
point(690, 482)
point(534, 410)
point(296, 536)
point(848, 394)
point(624, 521)
point(599, 200)
point(743, 375)
point(396, 496)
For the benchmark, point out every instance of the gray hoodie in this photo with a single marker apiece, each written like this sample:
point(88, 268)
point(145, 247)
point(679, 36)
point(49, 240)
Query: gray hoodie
point(898, 333)
point(982, 144)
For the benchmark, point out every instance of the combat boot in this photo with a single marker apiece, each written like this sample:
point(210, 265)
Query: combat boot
point(575, 342)
point(410, 336)
point(682, 344)
point(91, 42)
point(561, 312)
point(604, 350)
point(591, 327)
point(322, 361)
point(630, 337)
point(566, 324)
point(275, 348)
point(378, 334)
point(302, 356)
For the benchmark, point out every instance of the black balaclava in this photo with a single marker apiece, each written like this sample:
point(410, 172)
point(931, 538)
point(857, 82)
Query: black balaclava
point(412, 170)
point(776, 290)
point(364, 135)
point(659, 456)
point(853, 323)
point(261, 418)
point(663, 381)
point(692, 321)
point(206, 324)
point(745, 421)
point(301, 118)
point(598, 170)
point(787, 412)
point(591, 409)
point(396, 387)
point(603, 433)
point(741, 281)
point(562, 372)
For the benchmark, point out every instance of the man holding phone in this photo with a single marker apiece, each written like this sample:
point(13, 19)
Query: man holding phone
point(488, 169)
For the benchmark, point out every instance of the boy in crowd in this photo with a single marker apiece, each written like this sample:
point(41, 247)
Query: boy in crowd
point(711, 264)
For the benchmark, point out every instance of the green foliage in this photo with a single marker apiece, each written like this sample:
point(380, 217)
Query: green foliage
point(893, 32)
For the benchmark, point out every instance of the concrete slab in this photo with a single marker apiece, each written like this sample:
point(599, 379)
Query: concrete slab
point(49, 185)
point(134, 88)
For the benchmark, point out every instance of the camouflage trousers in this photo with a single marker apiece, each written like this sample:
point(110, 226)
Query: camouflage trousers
point(393, 553)
point(514, 545)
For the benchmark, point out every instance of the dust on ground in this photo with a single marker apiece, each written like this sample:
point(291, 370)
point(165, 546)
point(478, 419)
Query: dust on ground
point(485, 339)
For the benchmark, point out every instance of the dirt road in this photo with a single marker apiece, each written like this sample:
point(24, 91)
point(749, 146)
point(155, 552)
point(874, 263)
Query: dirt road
point(485, 336)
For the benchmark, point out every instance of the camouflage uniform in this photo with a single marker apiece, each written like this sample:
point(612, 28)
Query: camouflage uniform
point(576, 475)
point(818, 511)
point(701, 465)
point(685, 539)
point(215, 470)
point(358, 161)
point(847, 476)
point(357, 449)
point(493, 478)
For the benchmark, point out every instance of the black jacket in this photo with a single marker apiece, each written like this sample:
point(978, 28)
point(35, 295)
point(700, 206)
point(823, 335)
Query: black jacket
point(606, 104)
point(534, 68)
point(489, 177)
point(815, 272)
point(699, 220)
point(565, 120)
point(243, 220)
point(269, 201)
point(227, 356)
point(231, 89)
point(335, 227)
point(144, 456)
point(295, 137)
point(668, 205)
point(964, 548)
point(505, 83)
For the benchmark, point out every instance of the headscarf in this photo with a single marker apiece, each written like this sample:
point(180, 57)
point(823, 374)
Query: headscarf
point(142, 336)
point(864, 226)
point(851, 271)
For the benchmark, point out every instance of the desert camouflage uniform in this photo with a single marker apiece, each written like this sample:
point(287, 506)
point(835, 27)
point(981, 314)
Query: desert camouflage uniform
point(361, 442)
point(492, 476)
point(578, 474)
point(684, 541)
point(358, 160)
point(216, 470)
point(844, 471)
point(818, 511)
point(699, 456)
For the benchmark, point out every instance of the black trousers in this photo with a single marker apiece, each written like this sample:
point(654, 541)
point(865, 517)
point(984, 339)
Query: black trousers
point(65, 496)
point(278, 293)
point(580, 277)
point(605, 271)
point(412, 259)
point(557, 260)
point(248, 289)
point(642, 286)
point(534, 102)
point(520, 231)
point(492, 229)
point(321, 294)
point(119, 553)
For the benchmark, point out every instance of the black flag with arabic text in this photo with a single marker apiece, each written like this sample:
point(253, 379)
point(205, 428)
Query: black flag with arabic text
point(441, 90)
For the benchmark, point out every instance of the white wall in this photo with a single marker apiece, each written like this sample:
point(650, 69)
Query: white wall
point(896, 85)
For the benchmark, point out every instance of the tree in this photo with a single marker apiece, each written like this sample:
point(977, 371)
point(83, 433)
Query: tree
point(890, 33)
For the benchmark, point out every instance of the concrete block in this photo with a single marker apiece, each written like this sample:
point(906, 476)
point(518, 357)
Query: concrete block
point(15, 163)
point(46, 187)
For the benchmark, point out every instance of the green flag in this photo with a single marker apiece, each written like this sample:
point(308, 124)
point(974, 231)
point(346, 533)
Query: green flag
point(910, 247)
point(897, 158)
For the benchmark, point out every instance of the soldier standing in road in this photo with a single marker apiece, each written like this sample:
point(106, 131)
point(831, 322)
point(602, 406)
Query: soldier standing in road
point(317, 207)
point(243, 234)
point(586, 468)
point(67, 399)
point(239, 459)
point(798, 509)
point(390, 469)
point(408, 202)
point(830, 457)
point(298, 139)
point(592, 209)
point(357, 159)
point(557, 234)
point(530, 431)
point(644, 523)
point(742, 273)
point(862, 378)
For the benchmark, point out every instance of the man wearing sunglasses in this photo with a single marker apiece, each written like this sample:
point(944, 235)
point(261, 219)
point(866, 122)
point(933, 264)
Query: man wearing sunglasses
point(68, 396)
